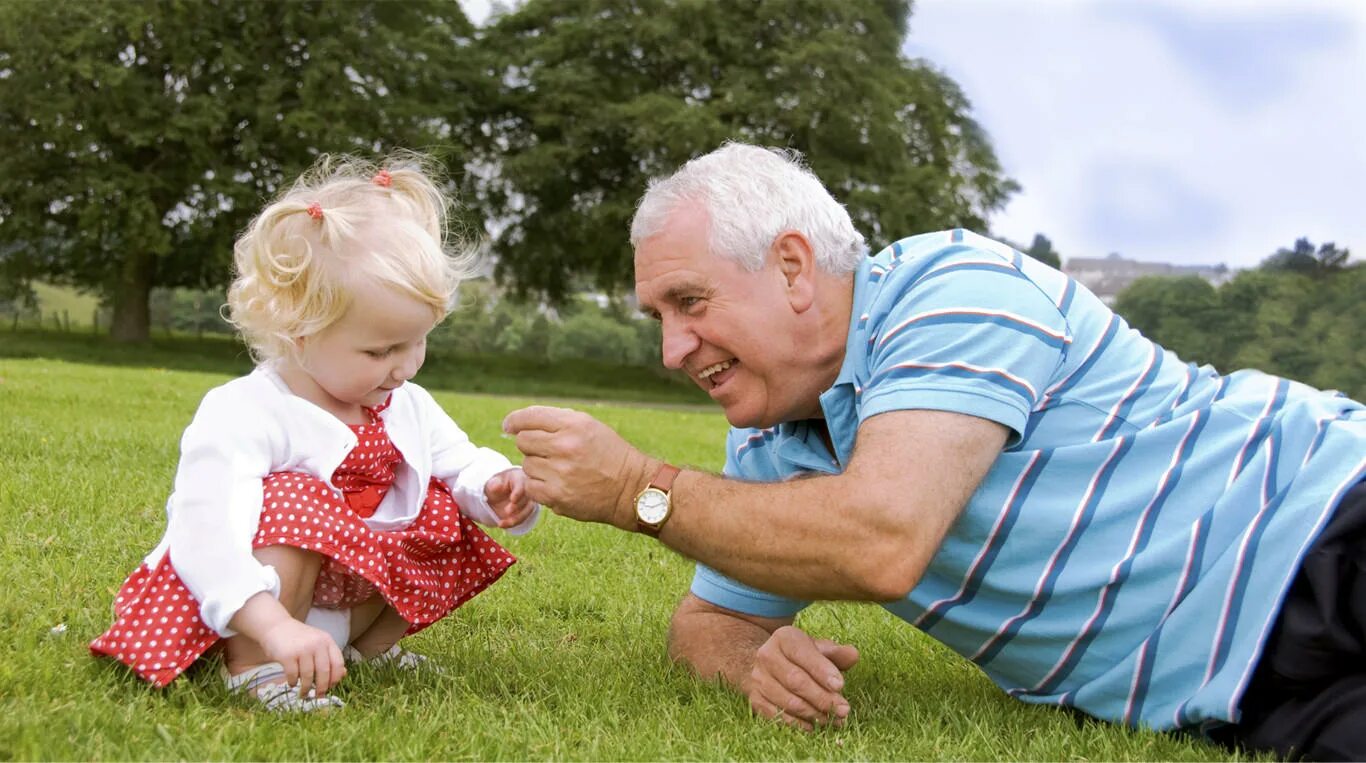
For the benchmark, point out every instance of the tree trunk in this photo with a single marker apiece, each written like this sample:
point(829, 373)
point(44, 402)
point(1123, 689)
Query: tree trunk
point(132, 315)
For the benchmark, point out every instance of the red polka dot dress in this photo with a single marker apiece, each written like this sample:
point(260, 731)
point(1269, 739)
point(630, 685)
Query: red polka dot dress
point(424, 571)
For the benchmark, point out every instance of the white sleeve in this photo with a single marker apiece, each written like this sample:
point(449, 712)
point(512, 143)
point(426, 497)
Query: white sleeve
point(464, 468)
point(215, 510)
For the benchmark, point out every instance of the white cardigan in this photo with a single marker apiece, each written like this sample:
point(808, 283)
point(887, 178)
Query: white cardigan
point(254, 426)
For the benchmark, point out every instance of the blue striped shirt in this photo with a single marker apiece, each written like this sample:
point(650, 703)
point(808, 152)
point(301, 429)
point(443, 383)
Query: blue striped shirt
point(1127, 553)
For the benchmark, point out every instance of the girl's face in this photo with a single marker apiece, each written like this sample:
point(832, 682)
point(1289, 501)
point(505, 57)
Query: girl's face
point(376, 346)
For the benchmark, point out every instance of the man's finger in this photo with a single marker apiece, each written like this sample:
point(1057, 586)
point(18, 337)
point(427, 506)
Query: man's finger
point(804, 653)
point(795, 693)
point(844, 656)
point(538, 489)
point(544, 417)
point(766, 709)
point(535, 442)
point(537, 468)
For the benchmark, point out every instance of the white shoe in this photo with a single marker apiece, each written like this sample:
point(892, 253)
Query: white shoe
point(267, 684)
point(395, 656)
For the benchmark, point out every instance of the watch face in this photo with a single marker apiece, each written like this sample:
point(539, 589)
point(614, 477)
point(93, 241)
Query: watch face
point(652, 506)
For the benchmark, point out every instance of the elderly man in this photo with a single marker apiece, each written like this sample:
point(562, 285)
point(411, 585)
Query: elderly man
point(972, 439)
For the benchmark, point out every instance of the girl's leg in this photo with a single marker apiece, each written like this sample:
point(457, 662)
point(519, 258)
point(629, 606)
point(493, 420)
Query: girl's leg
point(298, 571)
point(383, 632)
point(363, 615)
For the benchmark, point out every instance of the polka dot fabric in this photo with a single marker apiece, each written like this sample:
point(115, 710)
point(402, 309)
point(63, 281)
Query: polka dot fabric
point(424, 572)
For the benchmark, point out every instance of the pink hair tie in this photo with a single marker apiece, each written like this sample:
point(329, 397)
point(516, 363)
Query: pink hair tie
point(383, 179)
point(315, 211)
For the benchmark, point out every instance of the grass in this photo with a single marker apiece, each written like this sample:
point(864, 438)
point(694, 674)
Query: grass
point(78, 308)
point(562, 659)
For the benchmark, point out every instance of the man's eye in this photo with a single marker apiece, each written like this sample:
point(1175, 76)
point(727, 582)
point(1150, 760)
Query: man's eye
point(689, 301)
point(377, 354)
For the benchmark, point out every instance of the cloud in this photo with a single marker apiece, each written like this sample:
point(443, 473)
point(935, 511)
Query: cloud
point(1245, 56)
point(1150, 206)
point(1246, 116)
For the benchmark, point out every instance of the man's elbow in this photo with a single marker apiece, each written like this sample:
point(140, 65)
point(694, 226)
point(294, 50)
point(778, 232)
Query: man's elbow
point(887, 573)
point(675, 648)
point(681, 637)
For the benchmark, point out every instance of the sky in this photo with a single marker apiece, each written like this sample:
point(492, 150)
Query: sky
point(1197, 133)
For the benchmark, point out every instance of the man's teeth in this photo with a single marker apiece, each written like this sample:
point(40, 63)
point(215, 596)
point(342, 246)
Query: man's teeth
point(716, 369)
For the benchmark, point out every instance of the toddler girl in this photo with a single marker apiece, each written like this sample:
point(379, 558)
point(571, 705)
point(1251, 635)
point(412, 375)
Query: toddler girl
point(323, 502)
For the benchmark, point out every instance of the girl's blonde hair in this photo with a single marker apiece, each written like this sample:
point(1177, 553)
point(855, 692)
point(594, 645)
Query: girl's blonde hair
point(343, 220)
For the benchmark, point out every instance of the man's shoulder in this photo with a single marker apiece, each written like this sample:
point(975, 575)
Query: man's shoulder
point(924, 248)
point(951, 262)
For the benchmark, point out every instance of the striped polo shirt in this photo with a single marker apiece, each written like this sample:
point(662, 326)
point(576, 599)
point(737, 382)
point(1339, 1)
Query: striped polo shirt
point(1127, 553)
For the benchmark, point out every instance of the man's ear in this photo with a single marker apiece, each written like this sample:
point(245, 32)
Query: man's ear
point(797, 263)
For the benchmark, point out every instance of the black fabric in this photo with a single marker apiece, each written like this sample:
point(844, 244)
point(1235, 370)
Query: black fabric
point(1307, 697)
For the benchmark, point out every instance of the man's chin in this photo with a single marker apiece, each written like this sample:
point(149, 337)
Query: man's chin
point(746, 419)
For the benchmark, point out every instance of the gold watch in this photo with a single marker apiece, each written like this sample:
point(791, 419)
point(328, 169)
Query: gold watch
point(653, 505)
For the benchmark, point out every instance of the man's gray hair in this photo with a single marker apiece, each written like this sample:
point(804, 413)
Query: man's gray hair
point(752, 194)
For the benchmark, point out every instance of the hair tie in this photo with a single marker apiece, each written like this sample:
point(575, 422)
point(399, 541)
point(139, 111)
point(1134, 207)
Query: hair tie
point(383, 179)
point(315, 211)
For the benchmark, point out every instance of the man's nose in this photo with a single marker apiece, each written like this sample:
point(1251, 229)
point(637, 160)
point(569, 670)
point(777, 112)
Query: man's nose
point(677, 344)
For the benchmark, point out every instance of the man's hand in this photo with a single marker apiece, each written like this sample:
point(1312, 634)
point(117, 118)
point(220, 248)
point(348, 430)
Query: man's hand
point(799, 680)
point(507, 496)
point(577, 465)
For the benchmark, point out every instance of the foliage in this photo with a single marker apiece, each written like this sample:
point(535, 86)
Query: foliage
point(600, 96)
point(1302, 258)
point(190, 310)
point(136, 138)
point(17, 297)
point(562, 659)
point(1182, 314)
point(486, 321)
point(1296, 321)
point(1042, 250)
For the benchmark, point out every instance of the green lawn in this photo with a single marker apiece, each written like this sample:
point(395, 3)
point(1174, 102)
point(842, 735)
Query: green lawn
point(77, 308)
point(562, 659)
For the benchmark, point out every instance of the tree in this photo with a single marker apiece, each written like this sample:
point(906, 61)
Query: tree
point(1280, 321)
point(1042, 250)
point(137, 138)
point(1302, 258)
point(1180, 313)
point(601, 95)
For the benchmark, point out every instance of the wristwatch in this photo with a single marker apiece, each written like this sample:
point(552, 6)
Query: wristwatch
point(652, 504)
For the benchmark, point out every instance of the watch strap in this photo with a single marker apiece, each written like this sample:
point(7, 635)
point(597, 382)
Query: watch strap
point(663, 481)
point(664, 478)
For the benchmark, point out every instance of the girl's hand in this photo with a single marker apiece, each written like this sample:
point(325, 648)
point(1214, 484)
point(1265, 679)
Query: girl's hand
point(308, 655)
point(507, 496)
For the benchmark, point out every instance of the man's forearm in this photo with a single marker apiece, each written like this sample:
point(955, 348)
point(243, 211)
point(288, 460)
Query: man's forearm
point(868, 533)
point(715, 646)
point(809, 539)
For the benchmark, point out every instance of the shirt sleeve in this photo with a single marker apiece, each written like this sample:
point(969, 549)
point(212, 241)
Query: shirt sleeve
point(465, 467)
point(215, 510)
point(745, 457)
point(968, 333)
